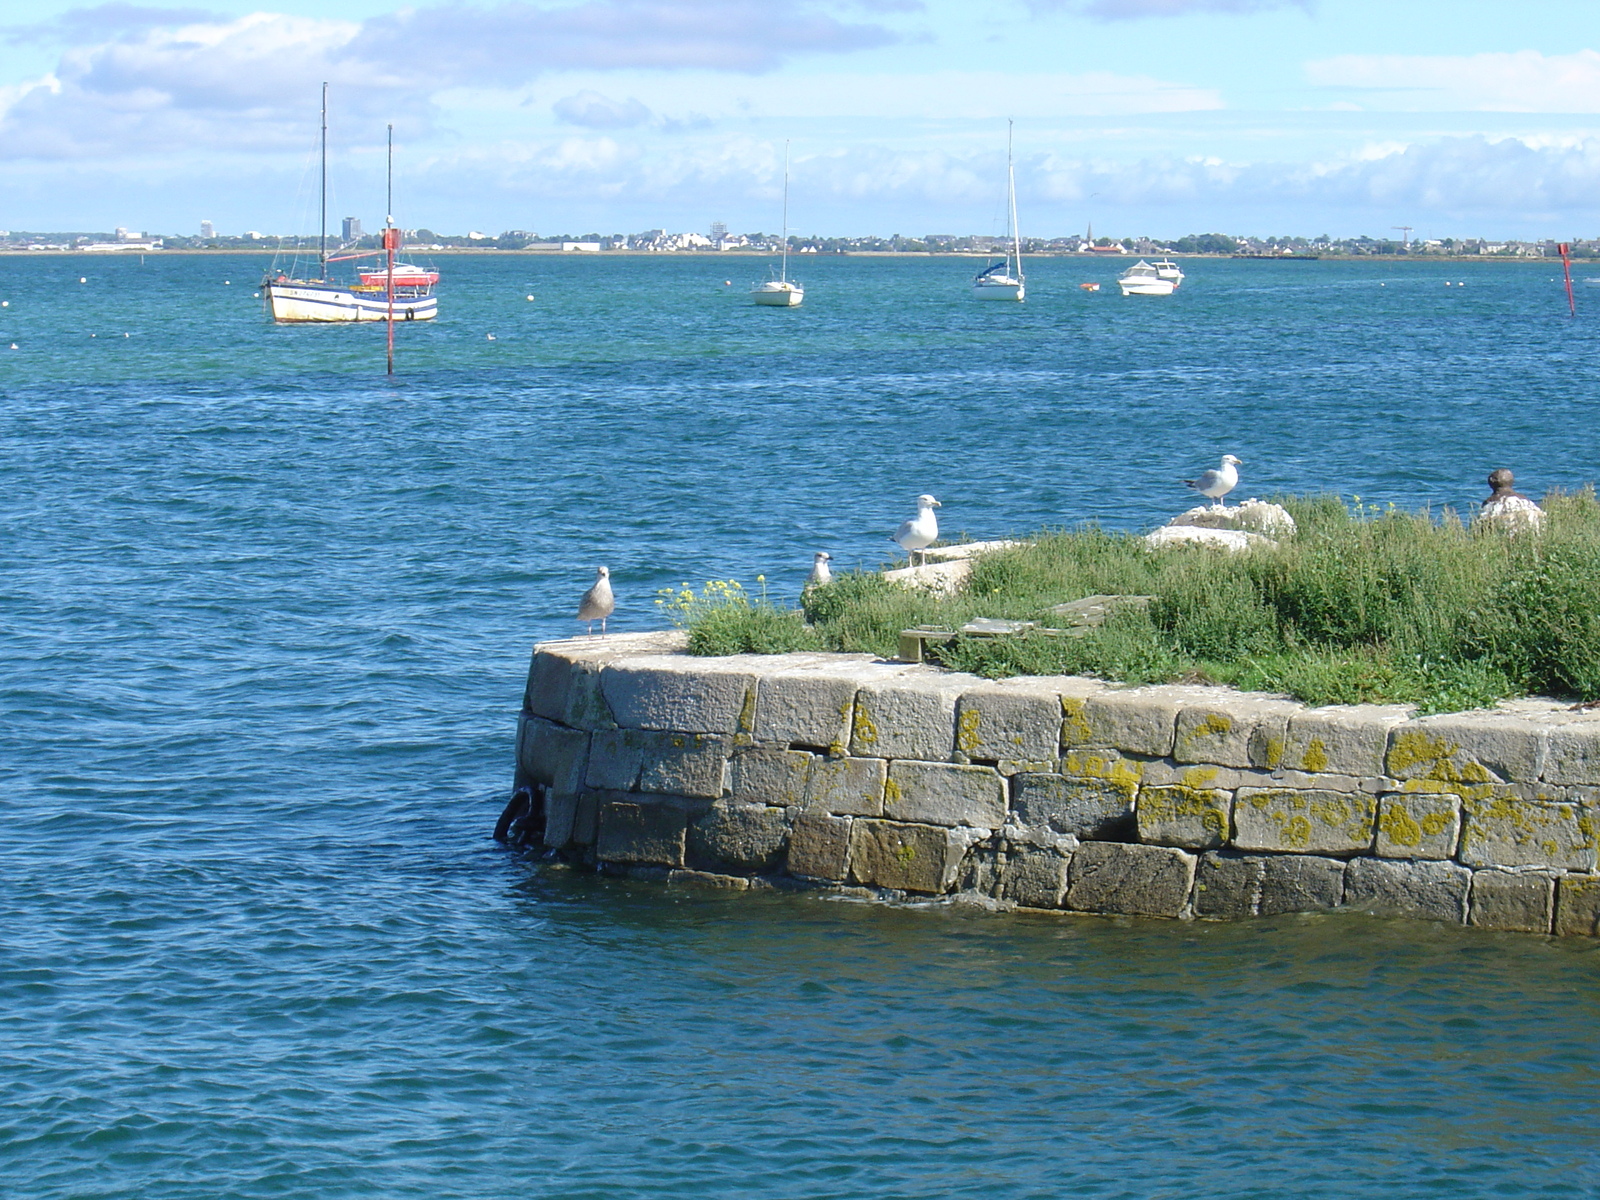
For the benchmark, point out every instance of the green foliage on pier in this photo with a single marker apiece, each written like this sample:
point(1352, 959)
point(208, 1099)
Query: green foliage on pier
point(1359, 606)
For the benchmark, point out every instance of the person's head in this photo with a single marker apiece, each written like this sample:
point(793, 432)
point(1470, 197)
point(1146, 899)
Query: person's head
point(1501, 480)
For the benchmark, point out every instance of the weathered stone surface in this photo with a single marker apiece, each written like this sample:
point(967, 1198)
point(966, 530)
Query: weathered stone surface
point(1572, 753)
point(552, 754)
point(683, 764)
point(686, 764)
point(846, 786)
point(1578, 906)
point(1418, 825)
point(586, 818)
point(813, 704)
point(739, 837)
point(1430, 891)
point(1116, 877)
point(560, 808)
point(1227, 886)
point(1311, 822)
point(1522, 901)
point(1233, 731)
point(763, 776)
point(1174, 815)
point(682, 694)
point(1504, 831)
point(1085, 808)
point(912, 858)
point(944, 794)
point(641, 829)
point(1466, 749)
point(564, 676)
point(1234, 541)
point(1295, 883)
point(1035, 878)
point(912, 715)
point(819, 847)
point(709, 879)
point(1340, 739)
point(1107, 766)
point(1135, 720)
point(994, 721)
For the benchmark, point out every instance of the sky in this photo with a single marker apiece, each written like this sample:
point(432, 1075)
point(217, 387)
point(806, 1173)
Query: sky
point(1459, 118)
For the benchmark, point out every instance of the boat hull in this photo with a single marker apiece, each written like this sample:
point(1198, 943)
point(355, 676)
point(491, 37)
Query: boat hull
point(311, 303)
point(999, 289)
point(1146, 287)
point(778, 294)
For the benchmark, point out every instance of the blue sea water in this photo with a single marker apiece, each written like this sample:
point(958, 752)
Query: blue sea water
point(264, 620)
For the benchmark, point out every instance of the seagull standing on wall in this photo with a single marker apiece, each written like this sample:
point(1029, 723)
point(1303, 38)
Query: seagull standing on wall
point(820, 575)
point(598, 603)
point(921, 531)
point(1214, 485)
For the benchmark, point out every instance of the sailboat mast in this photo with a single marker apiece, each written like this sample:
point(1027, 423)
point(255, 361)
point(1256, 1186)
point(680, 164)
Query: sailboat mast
point(388, 242)
point(784, 273)
point(1011, 192)
point(322, 241)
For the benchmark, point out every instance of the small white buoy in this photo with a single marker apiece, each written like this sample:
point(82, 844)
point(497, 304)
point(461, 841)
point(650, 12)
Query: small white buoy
point(13, 345)
point(127, 335)
point(727, 283)
point(257, 295)
point(491, 337)
point(83, 279)
point(1383, 285)
point(227, 283)
point(94, 335)
point(5, 304)
point(530, 297)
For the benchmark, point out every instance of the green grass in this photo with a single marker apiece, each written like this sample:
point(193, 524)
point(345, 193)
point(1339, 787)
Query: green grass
point(1360, 606)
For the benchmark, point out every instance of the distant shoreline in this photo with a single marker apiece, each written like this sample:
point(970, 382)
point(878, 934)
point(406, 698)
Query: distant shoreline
point(714, 256)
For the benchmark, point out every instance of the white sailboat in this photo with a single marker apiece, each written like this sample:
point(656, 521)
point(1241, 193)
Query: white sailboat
point(402, 292)
point(781, 292)
point(1004, 280)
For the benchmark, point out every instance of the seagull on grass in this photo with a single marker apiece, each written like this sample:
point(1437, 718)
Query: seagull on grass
point(921, 531)
point(820, 575)
point(598, 603)
point(1214, 485)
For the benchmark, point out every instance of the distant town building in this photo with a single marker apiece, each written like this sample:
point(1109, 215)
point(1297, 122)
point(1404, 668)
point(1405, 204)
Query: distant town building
point(123, 235)
point(719, 231)
point(207, 230)
point(350, 231)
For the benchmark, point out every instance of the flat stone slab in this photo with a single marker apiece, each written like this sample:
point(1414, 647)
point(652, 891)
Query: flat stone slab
point(1227, 886)
point(1418, 825)
point(643, 829)
point(1304, 822)
point(846, 786)
point(1115, 877)
point(1176, 815)
point(944, 794)
point(1518, 901)
point(1077, 806)
point(1504, 831)
point(912, 715)
point(819, 847)
point(1035, 878)
point(1298, 883)
point(905, 857)
point(1429, 891)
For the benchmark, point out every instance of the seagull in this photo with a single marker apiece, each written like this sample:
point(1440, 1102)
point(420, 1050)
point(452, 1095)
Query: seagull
point(598, 603)
point(921, 531)
point(1214, 485)
point(820, 575)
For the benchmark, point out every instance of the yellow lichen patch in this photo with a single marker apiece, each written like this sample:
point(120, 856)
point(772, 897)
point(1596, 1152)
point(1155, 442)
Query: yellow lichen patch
point(865, 728)
point(1272, 753)
point(1435, 823)
point(1075, 730)
point(1199, 777)
point(1413, 748)
point(1214, 725)
point(1397, 825)
point(967, 730)
point(1174, 804)
point(1106, 765)
point(905, 853)
point(1315, 759)
point(744, 727)
point(891, 791)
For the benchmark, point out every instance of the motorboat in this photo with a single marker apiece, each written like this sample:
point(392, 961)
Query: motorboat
point(1142, 279)
point(1004, 280)
point(1167, 269)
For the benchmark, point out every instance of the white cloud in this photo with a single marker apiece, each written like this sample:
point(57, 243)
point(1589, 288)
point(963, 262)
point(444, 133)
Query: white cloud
point(596, 111)
point(1520, 81)
point(155, 80)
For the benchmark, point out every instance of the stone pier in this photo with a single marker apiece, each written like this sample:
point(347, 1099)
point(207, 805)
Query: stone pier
point(847, 771)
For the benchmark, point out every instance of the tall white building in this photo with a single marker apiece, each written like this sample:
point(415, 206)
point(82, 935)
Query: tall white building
point(207, 230)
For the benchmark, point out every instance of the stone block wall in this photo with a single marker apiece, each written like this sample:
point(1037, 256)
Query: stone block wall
point(1059, 793)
